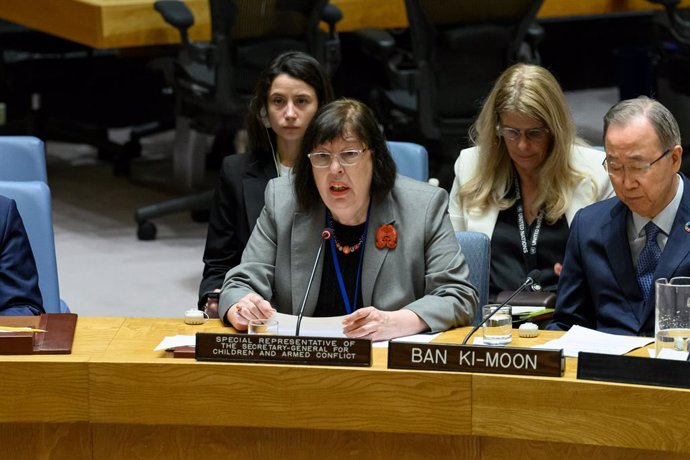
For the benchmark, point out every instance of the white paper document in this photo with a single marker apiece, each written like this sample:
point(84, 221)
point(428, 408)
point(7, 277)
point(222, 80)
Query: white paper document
point(668, 353)
point(418, 338)
point(517, 311)
point(580, 338)
point(175, 341)
point(331, 326)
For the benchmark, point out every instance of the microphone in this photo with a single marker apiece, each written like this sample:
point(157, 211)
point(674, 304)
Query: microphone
point(530, 280)
point(326, 234)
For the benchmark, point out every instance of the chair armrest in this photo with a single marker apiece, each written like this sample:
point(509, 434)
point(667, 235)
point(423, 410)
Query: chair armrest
point(376, 42)
point(177, 14)
point(331, 15)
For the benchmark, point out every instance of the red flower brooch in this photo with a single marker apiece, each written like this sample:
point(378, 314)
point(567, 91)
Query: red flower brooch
point(386, 236)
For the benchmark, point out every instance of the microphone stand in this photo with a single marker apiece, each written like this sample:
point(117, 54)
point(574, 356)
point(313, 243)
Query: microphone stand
point(325, 235)
point(528, 282)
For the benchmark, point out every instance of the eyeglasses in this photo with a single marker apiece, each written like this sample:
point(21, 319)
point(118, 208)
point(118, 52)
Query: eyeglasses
point(348, 157)
point(635, 169)
point(532, 135)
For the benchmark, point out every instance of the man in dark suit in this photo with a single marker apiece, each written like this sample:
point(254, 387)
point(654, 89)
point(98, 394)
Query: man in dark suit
point(618, 247)
point(19, 292)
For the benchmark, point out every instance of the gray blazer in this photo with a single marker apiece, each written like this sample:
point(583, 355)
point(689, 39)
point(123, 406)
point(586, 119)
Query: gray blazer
point(425, 273)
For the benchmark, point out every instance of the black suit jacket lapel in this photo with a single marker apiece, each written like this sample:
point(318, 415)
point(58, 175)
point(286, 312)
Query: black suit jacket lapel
point(254, 185)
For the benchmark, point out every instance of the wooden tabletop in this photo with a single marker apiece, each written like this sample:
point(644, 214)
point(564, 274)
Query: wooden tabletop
point(130, 23)
point(115, 392)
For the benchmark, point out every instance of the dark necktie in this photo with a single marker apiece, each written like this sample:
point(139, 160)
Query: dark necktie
point(649, 258)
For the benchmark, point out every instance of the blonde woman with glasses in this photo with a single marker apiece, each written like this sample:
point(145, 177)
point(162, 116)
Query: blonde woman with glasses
point(525, 178)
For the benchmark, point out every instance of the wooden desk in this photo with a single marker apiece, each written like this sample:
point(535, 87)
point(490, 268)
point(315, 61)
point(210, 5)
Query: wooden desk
point(116, 398)
point(128, 23)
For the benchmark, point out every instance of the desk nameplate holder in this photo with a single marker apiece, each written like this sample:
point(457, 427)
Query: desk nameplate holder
point(633, 369)
point(283, 349)
point(476, 358)
point(57, 339)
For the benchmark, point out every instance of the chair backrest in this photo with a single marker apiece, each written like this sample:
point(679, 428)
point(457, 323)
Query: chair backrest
point(278, 18)
point(213, 81)
point(461, 48)
point(22, 158)
point(476, 247)
point(412, 160)
point(33, 203)
point(266, 28)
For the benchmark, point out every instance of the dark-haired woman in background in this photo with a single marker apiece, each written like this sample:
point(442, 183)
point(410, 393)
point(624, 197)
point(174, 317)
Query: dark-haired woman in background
point(285, 99)
point(393, 264)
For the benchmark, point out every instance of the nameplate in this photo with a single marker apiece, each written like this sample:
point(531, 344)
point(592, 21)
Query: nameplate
point(476, 358)
point(283, 349)
point(633, 369)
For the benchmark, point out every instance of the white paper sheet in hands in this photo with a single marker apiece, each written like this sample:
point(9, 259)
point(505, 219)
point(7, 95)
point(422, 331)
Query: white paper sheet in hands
point(331, 326)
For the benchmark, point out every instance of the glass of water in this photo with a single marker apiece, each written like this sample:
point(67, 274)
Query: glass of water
point(263, 327)
point(672, 318)
point(498, 330)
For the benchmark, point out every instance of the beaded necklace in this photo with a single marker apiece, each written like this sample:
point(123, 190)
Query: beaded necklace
point(344, 248)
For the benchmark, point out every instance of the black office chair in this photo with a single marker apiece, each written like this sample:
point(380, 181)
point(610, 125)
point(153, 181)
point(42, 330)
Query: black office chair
point(213, 81)
point(437, 80)
point(671, 64)
point(55, 89)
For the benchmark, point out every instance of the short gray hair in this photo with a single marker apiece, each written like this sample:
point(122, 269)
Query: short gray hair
point(661, 119)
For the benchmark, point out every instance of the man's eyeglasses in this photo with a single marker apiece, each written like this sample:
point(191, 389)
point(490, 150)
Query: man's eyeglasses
point(532, 135)
point(348, 157)
point(635, 169)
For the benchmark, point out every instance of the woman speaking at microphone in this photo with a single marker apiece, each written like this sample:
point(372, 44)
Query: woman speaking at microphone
point(286, 97)
point(392, 264)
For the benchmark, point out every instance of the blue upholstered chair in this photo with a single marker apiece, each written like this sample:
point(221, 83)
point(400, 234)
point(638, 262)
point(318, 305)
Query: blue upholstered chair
point(33, 202)
point(476, 247)
point(411, 159)
point(22, 158)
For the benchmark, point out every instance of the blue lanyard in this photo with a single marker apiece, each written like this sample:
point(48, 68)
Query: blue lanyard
point(349, 306)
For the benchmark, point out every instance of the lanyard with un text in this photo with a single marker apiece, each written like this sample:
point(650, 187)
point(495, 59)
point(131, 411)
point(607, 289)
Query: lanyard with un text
point(530, 254)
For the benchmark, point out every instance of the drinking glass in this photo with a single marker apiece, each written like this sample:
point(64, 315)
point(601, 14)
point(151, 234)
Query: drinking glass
point(263, 327)
point(672, 319)
point(498, 330)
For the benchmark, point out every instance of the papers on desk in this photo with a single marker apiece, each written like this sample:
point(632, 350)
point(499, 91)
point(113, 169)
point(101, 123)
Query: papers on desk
point(418, 338)
point(175, 341)
point(523, 311)
point(311, 327)
point(331, 326)
point(668, 353)
point(579, 339)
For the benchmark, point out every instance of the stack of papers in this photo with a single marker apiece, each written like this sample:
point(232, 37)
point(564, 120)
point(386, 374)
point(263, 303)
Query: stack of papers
point(580, 338)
